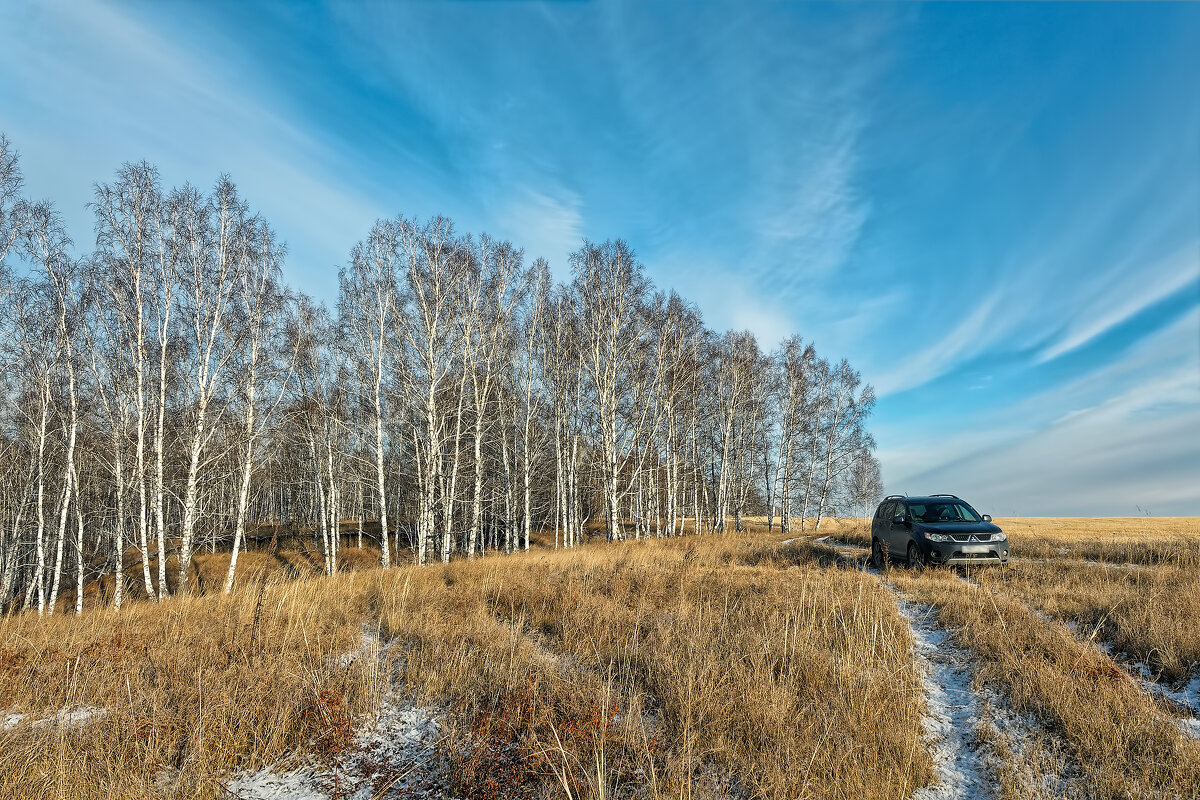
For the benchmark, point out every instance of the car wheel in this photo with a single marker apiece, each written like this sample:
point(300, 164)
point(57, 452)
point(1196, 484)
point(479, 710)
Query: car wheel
point(915, 561)
point(878, 556)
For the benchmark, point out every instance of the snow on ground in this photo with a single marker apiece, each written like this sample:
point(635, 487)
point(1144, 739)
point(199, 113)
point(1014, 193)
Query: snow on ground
point(954, 709)
point(1043, 773)
point(965, 576)
point(1187, 697)
point(965, 724)
point(367, 648)
point(1184, 697)
point(64, 718)
point(395, 755)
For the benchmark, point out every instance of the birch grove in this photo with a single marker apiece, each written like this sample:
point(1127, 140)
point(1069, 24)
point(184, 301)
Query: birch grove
point(169, 403)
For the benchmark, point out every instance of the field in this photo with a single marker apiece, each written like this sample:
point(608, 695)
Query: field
point(752, 665)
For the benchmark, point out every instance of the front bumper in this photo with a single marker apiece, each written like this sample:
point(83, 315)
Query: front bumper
point(959, 553)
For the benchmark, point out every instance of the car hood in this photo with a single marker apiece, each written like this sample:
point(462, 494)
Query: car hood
point(959, 527)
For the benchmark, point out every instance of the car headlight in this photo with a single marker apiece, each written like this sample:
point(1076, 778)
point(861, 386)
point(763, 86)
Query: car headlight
point(999, 537)
point(938, 537)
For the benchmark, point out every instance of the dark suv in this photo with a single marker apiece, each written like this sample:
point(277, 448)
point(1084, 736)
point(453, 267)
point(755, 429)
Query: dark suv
point(939, 529)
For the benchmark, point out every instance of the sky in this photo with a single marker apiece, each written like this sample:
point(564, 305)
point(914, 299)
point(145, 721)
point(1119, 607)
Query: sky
point(992, 211)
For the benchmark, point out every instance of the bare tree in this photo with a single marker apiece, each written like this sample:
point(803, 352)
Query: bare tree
point(211, 237)
point(841, 433)
point(45, 243)
point(128, 235)
point(169, 387)
point(367, 307)
point(429, 343)
point(609, 291)
point(263, 362)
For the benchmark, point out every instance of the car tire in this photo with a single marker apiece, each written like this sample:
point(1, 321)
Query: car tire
point(915, 561)
point(878, 554)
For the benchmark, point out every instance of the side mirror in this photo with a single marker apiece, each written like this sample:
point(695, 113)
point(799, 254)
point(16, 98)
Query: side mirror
point(987, 517)
point(899, 519)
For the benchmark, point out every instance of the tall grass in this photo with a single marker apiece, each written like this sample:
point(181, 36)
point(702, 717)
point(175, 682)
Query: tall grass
point(676, 667)
point(1148, 614)
point(1122, 744)
point(673, 668)
point(701, 667)
point(188, 689)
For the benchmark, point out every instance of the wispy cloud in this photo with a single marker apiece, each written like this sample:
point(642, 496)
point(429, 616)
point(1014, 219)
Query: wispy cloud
point(984, 227)
point(1118, 437)
point(142, 96)
point(972, 331)
point(548, 226)
point(1133, 288)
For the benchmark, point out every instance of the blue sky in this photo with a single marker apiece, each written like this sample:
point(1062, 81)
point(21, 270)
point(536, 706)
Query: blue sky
point(992, 210)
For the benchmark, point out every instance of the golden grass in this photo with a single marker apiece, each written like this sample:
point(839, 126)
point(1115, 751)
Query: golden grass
point(699, 667)
point(1117, 540)
point(676, 665)
point(1149, 613)
point(191, 688)
point(1122, 744)
point(665, 665)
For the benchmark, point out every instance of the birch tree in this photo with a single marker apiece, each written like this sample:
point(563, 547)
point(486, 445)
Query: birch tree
point(367, 308)
point(262, 362)
point(128, 232)
point(609, 289)
point(211, 238)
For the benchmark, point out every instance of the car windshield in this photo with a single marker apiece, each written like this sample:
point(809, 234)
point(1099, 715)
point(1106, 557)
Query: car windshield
point(949, 511)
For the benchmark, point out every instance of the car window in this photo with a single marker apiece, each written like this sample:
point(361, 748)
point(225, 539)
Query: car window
point(947, 511)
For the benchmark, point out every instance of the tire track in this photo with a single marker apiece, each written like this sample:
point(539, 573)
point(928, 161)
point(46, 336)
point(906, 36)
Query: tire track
point(954, 708)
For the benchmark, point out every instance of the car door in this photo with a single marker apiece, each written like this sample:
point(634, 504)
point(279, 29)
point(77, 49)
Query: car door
point(897, 534)
point(885, 524)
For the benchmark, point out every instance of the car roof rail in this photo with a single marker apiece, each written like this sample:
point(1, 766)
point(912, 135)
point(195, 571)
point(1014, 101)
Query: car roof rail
point(956, 497)
point(896, 497)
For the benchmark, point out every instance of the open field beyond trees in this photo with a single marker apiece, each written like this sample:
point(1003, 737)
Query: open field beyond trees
point(752, 665)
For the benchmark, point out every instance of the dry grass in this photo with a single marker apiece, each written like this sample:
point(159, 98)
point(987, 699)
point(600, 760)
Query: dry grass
point(694, 668)
point(1120, 742)
point(1149, 614)
point(1171, 541)
point(690, 668)
point(1119, 540)
point(669, 667)
point(191, 688)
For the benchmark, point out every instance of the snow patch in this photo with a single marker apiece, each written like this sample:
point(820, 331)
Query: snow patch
point(368, 646)
point(394, 756)
point(953, 707)
point(1044, 774)
point(965, 577)
point(1184, 697)
point(267, 784)
point(63, 719)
